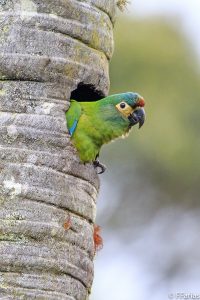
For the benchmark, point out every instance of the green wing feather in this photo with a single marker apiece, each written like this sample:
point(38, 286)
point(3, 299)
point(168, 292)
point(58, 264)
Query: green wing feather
point(73, 115)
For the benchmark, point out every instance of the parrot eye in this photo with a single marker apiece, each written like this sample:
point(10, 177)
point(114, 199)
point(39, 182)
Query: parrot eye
point(122, 105)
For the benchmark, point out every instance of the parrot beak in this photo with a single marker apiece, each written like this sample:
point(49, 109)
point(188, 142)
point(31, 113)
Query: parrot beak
point(138, 116)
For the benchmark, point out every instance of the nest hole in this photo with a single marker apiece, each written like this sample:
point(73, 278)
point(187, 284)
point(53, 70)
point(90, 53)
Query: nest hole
point(86, 92)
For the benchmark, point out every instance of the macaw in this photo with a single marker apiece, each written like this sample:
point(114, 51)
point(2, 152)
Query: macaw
point(92, 124)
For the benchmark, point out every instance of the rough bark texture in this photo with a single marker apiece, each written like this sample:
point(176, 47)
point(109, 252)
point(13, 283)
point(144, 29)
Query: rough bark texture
point(47, 48)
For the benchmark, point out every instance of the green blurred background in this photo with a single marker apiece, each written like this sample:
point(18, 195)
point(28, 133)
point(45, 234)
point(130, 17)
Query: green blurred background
point(149, 203)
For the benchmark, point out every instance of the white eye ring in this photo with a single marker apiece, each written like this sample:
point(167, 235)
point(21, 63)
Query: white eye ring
point(122, 105)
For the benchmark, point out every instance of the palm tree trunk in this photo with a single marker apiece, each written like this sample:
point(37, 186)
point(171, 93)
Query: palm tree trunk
point(48, 50)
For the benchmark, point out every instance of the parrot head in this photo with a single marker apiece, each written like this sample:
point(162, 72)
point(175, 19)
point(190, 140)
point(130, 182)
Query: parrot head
point(130, 106)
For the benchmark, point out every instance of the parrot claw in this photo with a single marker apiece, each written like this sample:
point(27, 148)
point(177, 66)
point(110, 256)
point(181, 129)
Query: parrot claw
point(97, 164)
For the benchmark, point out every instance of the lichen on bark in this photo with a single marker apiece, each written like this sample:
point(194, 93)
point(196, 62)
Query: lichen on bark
point(47, 48)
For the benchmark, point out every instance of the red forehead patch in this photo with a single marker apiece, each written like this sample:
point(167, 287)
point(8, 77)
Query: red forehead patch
point(141, 102)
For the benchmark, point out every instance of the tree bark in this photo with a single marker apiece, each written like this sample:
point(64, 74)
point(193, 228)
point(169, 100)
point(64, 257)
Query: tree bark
point(48, 49)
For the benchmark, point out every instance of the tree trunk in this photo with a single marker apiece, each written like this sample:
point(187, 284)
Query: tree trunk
point(48, 50)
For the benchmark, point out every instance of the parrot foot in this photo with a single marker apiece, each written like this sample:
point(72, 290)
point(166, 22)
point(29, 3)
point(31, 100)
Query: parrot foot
point(97, 164)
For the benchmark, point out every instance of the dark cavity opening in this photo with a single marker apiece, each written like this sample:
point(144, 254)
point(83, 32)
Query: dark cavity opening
point(86, 92)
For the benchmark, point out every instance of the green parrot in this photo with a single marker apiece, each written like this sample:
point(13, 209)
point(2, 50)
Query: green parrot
point(92, 124)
